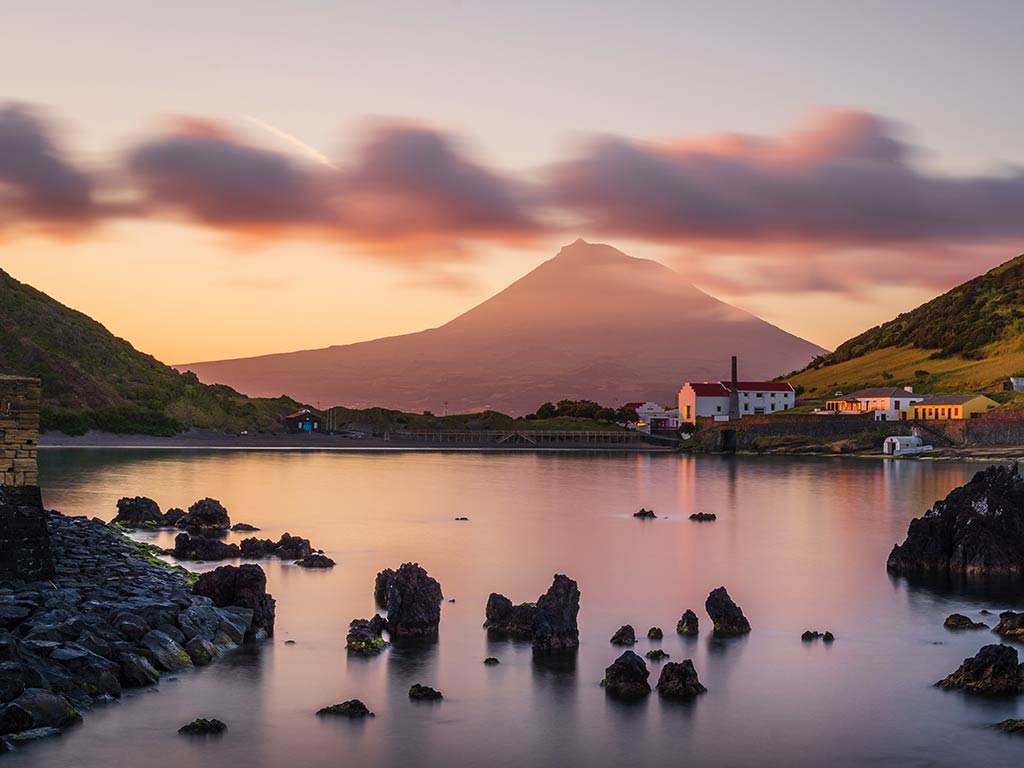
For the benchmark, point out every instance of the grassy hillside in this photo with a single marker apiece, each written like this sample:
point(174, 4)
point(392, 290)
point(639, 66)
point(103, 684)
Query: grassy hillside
point(966, 340)
point(94, 380)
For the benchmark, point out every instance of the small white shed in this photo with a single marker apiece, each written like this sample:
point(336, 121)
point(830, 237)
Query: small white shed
point(897, 445)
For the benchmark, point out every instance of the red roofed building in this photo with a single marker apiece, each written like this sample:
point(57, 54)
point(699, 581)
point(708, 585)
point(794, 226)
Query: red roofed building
point(711, 399)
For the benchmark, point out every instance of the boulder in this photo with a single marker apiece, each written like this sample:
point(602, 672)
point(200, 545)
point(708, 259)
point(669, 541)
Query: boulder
point(959, 621)
point(36, 708)
point(187, 547)
point(977, 529)
point(254, 548)
point(205, 516)
point(353, 708)
point(688, 623)
point(726, 616)
point(624, 635)
point(424, 693)
point(413, 603)
point(811, 635)
point(656, 654)
point(995, 670)
point(164, 652)
point(655, 633)
point(381, 585)
point(292, 547)
point(244, 527)
point(139, 512)
point(490, 661)
point(364, 636)
point(201, 651)
point(627, 677)
point(244, 586)
point(644, 514)
point(678, 680)
point(137, 671)
point(315, 560)
point(503, 619)
point(173, 515)
point(1012, 725)
point(203, 727)
point(703, 517)
point(1011, 625)
point(556, 629)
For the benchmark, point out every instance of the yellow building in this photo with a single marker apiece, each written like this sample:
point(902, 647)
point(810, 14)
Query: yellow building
point(951, 407)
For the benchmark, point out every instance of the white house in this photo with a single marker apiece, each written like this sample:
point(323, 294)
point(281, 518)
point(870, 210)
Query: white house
point(654, 416)
point(711, 399)
point(899, 445)
point(887, 403)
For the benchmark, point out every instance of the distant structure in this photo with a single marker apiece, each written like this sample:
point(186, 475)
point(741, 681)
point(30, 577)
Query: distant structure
point(952, 407)
point(303, 420)
point(887, 403)
point(655, 417)
point(901, 445)
point(733, 401)
point(25, 552)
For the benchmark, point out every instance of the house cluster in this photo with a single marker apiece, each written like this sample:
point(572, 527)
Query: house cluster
point(652, 416)
point(903, 404)
point(712, 398)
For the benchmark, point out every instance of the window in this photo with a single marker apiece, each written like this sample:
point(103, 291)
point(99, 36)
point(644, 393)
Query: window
point(746, 406)
point(718, 408)
point(760, 394)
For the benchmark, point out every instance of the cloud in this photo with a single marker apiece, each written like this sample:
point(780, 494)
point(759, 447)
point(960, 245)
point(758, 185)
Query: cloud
point(409, 193)
point(846, 178)
point(39, 188)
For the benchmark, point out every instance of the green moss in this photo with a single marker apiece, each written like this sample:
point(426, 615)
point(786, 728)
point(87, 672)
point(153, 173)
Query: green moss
point(1013, 725)
point(367, 647)
point(150, 553)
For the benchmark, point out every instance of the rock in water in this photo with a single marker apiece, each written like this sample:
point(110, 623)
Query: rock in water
point(187, 547)
point(381, 585)
point(656, 654)
point(556, 628)
point(244, 527)
point(977, 529)
point(678, 680)
point(490, 661)
point(704, 517)
point(1013, 725)
point(645, 514)
point(424, 693)
point(315, 560)
point(203, 727)
point(353, 708)
point(139, 512)
point(364, 636)
point(413, 603)
point(624, 635)
point(506, 620)
point(165, 651)
point(205, 516)
point(244, 586)
point(687, 623)
point(959, 621)
point(994, 670)
point(627, 677)
point(1011, 625)
point(655, 633)
point(727, 617)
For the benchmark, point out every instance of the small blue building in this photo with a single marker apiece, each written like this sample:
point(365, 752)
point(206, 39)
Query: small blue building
point(303, 420)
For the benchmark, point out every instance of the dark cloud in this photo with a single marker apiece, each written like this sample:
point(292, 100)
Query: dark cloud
point(39, 188)
point(847, 178)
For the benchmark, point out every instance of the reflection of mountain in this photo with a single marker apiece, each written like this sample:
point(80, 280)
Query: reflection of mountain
point(590, 323)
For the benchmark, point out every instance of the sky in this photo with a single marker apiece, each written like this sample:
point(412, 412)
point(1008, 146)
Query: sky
point(224, 179)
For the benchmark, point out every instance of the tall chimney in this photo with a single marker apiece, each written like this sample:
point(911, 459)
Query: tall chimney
point(734, 394)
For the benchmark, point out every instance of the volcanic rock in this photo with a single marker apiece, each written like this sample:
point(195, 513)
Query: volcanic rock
point(187, 547)
point(703, 517)
point(364, 636)
point(688, 623)
point(645, 514)
point(413, 603)
point(994, 670)
point(678, 680)
point(353, 708)
point(959, 621)
point(727, 617)
point(627, 677)
point(656, 654)
point(624, 635)
point(556, 628)
point(244, 586)
point(139, 512)
point(1011, 625)
point(655, 633)
point(205, 516)
point(424, 693)
point(202, 727)
point(381, 585)
point(315, 560)
point(503, 619)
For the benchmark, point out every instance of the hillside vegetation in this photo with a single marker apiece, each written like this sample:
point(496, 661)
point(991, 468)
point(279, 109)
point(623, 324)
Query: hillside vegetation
point(966, 340)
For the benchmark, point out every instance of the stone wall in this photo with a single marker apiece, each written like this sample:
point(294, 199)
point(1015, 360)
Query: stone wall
point(745, 432)
point(19, 430)
point(25, 552)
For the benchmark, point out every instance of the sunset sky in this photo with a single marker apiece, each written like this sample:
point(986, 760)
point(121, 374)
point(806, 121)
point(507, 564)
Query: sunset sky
point(225, 179)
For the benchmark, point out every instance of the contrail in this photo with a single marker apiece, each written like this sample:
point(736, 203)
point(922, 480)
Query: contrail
point(294, 141)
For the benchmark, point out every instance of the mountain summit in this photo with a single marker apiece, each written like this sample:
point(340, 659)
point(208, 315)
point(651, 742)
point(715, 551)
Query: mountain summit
point(590, 323)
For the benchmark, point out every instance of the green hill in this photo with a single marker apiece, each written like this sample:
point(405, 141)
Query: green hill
point(970, 338)
point(94, 380)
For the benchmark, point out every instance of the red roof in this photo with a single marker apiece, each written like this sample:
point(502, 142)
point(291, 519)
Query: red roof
point(632, 406)
point(709, 389)
point(297, 414)
point(762, 386)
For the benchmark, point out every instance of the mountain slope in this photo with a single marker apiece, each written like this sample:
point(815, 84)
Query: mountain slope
point(92, 379)
point(969, 338)
point(591, 323)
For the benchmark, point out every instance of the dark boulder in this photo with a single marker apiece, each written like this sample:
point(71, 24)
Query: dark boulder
point(557, 609)
point(203, 727)
point(1011, 625)
point(244, 586)
point(1012, 725)
point(678, 680)
point(139, 512)
point(381, 585)
point(315, 560)
point(36, 708)
point(364, 636)
point(727, 617)
point(424, 693)
point(627, 677)
point(812, 634)
point(353, 708)
point(205, 516)
point(688, 623)
point(624, 635)
point(490, 661)
point(977, 529)
point(656, 654)
point(413, 603)
point(655, 633)
point(959, 621)
point(187, 547)
point(244, 527)
point(201, 651)
point(703, 517)
point(173, 515)
point(292, 547)
point(137, 671)
point(995, 670)
point(164, 652)
point(253, 548)
point(503, 619)
point(644, 514)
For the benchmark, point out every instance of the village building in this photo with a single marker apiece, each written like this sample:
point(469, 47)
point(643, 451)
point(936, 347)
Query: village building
point(303, 420)
point(711, 399)
point(951, 407)
point(655, 417)
point(887, 403)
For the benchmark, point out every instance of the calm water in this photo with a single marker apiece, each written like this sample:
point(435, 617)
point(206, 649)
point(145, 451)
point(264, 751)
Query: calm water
point(799, 543)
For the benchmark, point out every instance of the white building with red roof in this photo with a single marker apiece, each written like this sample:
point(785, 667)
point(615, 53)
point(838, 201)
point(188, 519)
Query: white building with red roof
point(711, 398)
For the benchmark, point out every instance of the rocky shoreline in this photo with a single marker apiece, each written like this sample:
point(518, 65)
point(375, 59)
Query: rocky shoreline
point(113, 617)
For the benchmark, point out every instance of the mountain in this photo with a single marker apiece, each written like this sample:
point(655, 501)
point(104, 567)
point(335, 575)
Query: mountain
point(92, 379)
point(591, 323)
point(968, 339)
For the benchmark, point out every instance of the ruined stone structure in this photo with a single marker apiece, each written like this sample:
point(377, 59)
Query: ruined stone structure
point(24, 540)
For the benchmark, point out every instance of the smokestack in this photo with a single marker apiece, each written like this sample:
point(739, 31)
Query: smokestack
point(734, 395)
